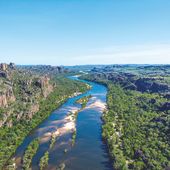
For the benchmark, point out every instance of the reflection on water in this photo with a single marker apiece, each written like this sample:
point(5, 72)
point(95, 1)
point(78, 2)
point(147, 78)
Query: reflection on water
point(89, 152)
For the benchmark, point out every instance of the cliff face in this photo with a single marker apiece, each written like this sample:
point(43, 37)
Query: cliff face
point(46, 69)
point(6, 88)
point(144, 84)
point(7, 97)
point(27, 98)
point(141, 80)
point(20, 93)
point(45, 86)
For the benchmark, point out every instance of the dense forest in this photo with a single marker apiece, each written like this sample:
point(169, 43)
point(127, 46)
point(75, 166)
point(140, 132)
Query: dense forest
point(137, 121)
point(136, 131)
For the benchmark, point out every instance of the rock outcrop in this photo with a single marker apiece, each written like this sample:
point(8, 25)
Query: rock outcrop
point(6, 97)
point(22, 89)
point(34, 109)
point(153, 83)
point(46, 69)
point(6, 69)
point(3, 66)
point(146, 84)
point(45, 86)
point(3, 100)
point(4, 118)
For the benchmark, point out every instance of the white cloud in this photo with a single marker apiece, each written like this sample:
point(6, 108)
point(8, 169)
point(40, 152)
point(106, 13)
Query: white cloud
point(118, 54)
point(128, 54)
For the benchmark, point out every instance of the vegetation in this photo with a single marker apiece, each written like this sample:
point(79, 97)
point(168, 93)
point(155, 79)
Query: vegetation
point(136, 125)
point(83, 101)
point(11, 164)
point(74, 137)
point(12, 137)
point(29, 153)
point(53, 140)
point(137, 121)
point(44, 161)
point(137, 133)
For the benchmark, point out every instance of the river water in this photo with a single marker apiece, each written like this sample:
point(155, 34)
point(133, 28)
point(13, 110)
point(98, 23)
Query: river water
point(89, 152)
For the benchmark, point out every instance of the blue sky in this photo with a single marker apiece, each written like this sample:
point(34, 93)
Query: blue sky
point(70, 32)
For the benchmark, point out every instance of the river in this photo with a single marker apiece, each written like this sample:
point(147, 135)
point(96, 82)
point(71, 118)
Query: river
point(89, 152)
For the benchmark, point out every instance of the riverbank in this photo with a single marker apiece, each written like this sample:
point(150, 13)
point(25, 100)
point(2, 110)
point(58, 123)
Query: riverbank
point(70, 138)
point(22, 129)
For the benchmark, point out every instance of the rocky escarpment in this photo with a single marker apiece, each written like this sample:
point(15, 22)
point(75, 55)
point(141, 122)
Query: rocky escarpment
point(36, 96)
point(6, 87)
point(45, 69)
point(20, 93)
point(6, 96)
point(45, 86)
point(148, 84)
point(153, 82)
point(6, 69)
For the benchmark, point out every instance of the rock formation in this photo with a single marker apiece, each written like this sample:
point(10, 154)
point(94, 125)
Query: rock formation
point(45, 86)
point(3, 66)
point(28, 86)
point(7, 96)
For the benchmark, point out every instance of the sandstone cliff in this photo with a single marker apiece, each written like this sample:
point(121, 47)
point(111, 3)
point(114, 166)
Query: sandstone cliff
point(45, 86)
point(6, 97)
point(20, 93)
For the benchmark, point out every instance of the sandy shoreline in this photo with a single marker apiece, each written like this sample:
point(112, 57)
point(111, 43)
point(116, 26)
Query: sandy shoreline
point(69, 122)
point(69, 125)
point(98, 105)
